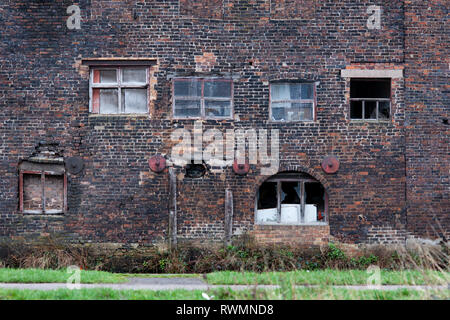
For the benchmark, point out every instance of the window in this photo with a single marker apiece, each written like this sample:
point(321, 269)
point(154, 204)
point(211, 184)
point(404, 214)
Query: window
point(291, 198)
point(42, 192)
point(117, 90)
point(292, 101)
point(370, 99)
point(203, 98)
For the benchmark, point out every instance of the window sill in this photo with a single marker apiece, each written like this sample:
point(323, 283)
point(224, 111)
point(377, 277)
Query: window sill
point(108, 115)
point(205, 119)
point(40, 214)
point(293, 224)
point(370, 121)
point(292, 121)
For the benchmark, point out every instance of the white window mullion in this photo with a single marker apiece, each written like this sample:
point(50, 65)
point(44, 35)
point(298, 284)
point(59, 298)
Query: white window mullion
point(119, 84)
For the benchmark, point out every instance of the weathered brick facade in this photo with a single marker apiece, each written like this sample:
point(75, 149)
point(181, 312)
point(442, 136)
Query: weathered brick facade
point(393, 180)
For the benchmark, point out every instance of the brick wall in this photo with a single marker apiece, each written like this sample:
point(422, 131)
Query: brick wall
point(44, 96)
point(427, 135)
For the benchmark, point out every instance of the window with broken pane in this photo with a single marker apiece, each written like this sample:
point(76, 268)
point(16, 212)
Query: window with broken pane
point(291, 198)
point(292, 101)
point(202, 98)
point(370, 99)
point(119, 90)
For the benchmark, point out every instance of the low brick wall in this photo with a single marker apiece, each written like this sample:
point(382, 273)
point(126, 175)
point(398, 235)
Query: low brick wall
point(305, 235)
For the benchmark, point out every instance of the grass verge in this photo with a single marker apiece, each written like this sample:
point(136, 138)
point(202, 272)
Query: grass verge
point(60, 276)
point(223, 294)
point(330, 277)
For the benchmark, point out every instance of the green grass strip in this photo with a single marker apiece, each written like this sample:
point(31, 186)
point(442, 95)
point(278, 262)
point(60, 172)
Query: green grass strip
point(223, 294)
point(48, 275)
point(330, 277)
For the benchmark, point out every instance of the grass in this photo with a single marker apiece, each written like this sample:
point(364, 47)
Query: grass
point(317, 277)
point(33, 275)
point(47, 275)
point(223, 294)
point(329, 277)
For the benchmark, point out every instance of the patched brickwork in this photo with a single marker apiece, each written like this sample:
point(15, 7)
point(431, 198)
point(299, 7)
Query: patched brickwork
point(293, 235)
point(210, 9)
point(393, 174)
point(293, 9)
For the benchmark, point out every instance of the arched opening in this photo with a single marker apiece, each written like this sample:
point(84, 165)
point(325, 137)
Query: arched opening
point(291, 198)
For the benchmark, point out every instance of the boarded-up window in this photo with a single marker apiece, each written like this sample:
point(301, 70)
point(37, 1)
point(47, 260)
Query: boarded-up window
point(42, 192)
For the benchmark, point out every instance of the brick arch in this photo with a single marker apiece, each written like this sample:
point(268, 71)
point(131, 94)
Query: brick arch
point(295, 168)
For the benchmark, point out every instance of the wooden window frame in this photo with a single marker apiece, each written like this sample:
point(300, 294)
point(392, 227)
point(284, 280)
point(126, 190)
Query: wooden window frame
point(377, 100)
point(313, 101)
point(202, 98)
point(42, 173)
point(119, 85)
point(301, 218)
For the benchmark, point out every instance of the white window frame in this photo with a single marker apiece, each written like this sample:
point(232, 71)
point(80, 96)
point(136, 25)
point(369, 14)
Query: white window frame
point(119, 86)
point(313, 101)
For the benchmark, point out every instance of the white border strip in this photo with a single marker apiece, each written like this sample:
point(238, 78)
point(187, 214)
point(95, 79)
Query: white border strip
point(362, 73)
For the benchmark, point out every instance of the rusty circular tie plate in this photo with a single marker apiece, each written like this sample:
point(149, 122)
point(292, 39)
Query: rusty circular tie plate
point(330, 164)
point(157, 163)
point(74, 165)
point(241, 168)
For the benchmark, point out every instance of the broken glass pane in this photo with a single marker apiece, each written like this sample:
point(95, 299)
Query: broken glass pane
point(217, 108)
point(187, 88)
point(135, 100)
point(187, 108)
point(370, 88)
point(314, 202)
point(134, 75)
point(290, 192)
point(370, 109)
point(109, 101)
point(267, 197)
point(383, 109)
point(217, 89)
point(356, 109)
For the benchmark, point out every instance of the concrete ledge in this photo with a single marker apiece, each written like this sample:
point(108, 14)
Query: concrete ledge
point(362, 73)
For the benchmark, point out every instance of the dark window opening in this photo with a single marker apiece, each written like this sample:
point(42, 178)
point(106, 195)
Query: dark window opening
point(370, 99)
point(195, 170)
point(314, 201)
point(291, 199)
